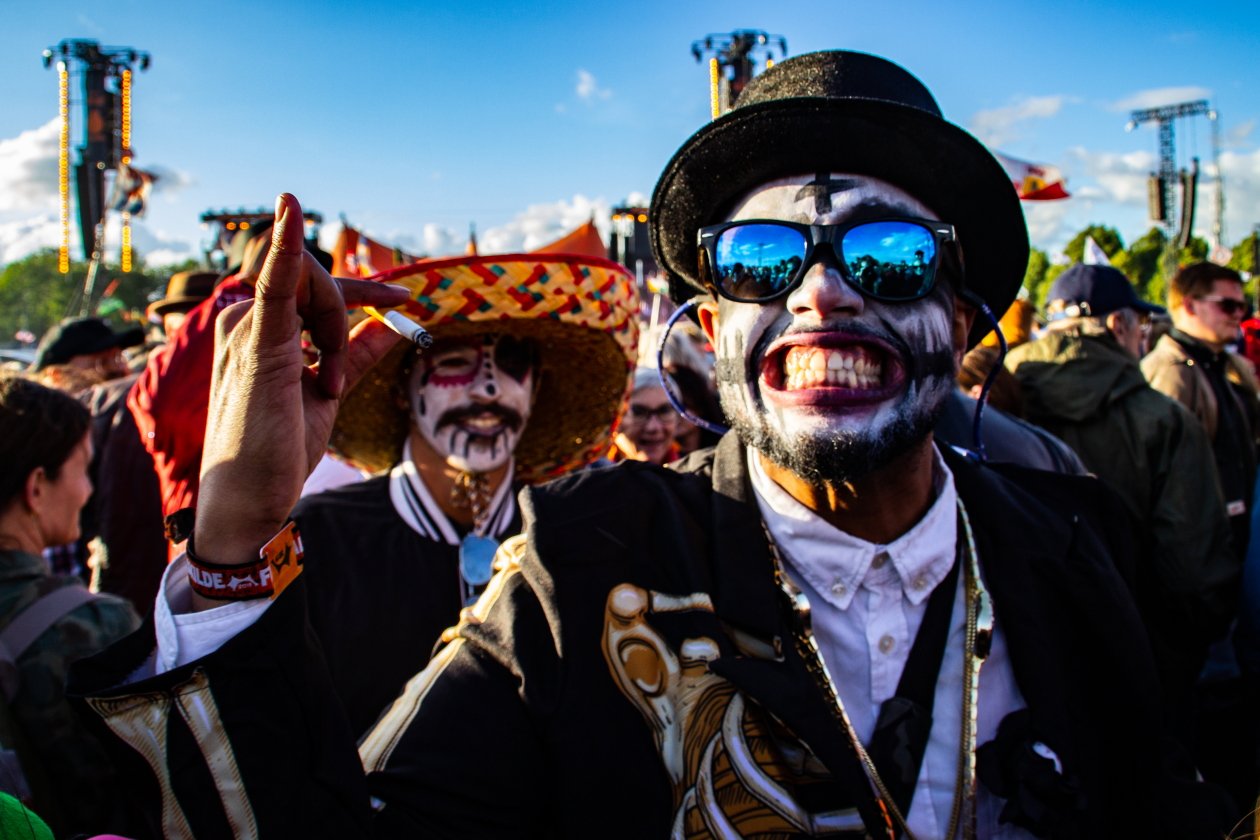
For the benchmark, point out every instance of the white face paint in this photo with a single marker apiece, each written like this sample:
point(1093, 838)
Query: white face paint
point(470, 399)
point(825, 381)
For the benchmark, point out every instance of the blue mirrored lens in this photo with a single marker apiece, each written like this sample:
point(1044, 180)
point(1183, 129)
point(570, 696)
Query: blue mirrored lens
point(894, 260)
point(758, 260)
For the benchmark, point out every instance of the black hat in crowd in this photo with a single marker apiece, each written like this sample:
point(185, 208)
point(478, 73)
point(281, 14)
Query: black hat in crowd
point(1096, 290)
point(81, 337)
point(843, 112)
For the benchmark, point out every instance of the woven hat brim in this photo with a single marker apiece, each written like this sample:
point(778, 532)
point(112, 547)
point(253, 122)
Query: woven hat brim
point(935, 161)
point(584, 321)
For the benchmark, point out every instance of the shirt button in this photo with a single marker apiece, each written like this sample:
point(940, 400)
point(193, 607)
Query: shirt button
point(886, 644)
point(879, 561)
point(919, 582)
point(838, 588)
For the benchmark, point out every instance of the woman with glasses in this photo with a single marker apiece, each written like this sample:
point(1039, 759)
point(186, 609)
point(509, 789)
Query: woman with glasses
point(648, 426)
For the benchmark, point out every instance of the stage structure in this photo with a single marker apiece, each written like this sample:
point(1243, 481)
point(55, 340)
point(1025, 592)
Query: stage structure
point(107, 74)
point(733, 62)
point(1161, 184)
point(230, 231)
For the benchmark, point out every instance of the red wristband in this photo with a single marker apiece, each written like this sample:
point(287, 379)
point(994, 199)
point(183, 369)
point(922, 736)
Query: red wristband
point(279, 563)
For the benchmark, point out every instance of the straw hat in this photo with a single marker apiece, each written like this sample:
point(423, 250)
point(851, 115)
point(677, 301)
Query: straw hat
point(583, 312)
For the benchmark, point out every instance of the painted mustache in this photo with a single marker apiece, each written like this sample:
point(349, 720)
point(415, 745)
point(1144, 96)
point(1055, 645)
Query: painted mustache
point(465, 416)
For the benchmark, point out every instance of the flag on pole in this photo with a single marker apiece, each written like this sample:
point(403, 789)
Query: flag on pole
point(1033, 181)
point(357, 255)
point(131, 190)
point(1094, 253)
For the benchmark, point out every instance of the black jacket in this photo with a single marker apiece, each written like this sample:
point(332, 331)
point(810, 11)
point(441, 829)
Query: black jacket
point(524, 727)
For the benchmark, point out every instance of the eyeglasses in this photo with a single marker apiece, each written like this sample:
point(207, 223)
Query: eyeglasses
point(758, 260)
point(641, 413)
point(1230, 306)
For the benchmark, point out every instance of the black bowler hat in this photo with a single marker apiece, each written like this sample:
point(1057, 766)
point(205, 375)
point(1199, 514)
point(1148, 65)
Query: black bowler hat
point(81, 337)
point(843, 112)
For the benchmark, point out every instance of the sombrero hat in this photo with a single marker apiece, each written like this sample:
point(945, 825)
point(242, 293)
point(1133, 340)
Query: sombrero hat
point(583, 312)
point(843, 112)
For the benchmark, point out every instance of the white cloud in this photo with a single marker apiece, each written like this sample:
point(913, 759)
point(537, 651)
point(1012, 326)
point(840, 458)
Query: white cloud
point(21, 237)
point(28, 169)
point(998, 126)
point(1238, 134)
point(1156, 97)
point(588, 89)
point(1242, 195)
point(543, 223)
point(1118, 176)
point(29, 219)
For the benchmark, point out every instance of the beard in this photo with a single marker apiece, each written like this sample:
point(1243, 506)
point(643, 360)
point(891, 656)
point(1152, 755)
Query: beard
point(842, 456)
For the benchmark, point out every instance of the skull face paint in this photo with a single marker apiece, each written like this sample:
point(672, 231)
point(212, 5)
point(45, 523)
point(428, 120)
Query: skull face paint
point(826, 382)
point(470, 399)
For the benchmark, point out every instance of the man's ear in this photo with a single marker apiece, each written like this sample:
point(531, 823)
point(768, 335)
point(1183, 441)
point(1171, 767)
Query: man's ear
point(964, 317)
point(707, 314)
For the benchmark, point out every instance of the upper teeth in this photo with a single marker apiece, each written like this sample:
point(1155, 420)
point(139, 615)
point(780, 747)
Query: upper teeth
point(851, 367)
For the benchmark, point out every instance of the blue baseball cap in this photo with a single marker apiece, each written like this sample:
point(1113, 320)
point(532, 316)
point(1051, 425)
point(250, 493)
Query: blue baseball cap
point(1097, 290)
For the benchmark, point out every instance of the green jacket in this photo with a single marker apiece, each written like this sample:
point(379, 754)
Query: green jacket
point(1153, 452)
point(73, 782)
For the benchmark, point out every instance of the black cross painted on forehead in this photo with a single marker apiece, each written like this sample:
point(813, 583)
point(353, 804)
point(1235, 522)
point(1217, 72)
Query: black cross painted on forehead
point(821, 189)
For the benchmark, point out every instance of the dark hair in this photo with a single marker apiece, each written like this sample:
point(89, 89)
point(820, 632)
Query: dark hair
point(1196, 280)
point(39, 427)
point(1006, 393)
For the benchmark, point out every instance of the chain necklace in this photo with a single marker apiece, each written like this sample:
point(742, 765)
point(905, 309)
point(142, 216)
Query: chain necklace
point(977, 641)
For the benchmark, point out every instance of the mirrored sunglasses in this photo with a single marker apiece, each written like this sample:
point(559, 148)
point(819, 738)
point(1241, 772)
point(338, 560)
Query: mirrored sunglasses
point(758, 260)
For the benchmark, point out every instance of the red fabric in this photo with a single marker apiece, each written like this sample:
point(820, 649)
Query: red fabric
point(584, 240)
point(1251, 340)
point(171, 398)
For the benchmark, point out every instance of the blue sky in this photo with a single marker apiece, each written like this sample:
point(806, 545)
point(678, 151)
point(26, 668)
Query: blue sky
point(417, 119)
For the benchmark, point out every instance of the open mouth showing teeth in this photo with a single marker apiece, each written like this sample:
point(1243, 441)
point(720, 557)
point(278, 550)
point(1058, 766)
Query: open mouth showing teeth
point(852, 367)
point(835, 369)
point(485, 424)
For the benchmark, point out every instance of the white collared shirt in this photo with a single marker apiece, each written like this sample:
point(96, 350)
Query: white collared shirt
point(866, 603)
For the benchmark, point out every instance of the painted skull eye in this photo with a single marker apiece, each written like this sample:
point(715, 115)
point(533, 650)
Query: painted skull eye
point(516, 357)
point(451, 363)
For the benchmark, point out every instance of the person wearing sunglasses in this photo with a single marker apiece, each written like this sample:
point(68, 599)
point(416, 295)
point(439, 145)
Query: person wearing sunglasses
point(1194, 365)
point(825, 625)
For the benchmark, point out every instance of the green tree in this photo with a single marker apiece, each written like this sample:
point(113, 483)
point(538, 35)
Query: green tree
point(1035, 276)
point(1245, 260)
point(34, 295)
point(1107, 238)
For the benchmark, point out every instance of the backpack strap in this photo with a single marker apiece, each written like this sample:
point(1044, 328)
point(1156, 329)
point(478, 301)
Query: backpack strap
point(31, 623)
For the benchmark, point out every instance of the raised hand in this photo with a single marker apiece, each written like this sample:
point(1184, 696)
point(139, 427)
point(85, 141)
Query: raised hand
point(271, 415)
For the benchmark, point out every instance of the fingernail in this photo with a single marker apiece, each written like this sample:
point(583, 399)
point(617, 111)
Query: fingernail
point(399, 288)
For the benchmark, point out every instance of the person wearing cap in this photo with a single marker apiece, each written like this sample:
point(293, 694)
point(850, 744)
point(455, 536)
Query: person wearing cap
point(89, 345)
point(184, 291)
point(1193, 365)
point(825, 625)
point(1081, 381)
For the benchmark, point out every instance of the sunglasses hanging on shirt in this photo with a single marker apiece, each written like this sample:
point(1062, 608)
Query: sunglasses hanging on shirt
point(759, 260)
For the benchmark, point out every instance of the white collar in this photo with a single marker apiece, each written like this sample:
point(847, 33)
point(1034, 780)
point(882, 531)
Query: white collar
point(416, 506)
point(836, 563)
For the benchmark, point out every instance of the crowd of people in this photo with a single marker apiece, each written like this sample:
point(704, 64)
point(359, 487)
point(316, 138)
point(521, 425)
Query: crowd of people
point(282, 572)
